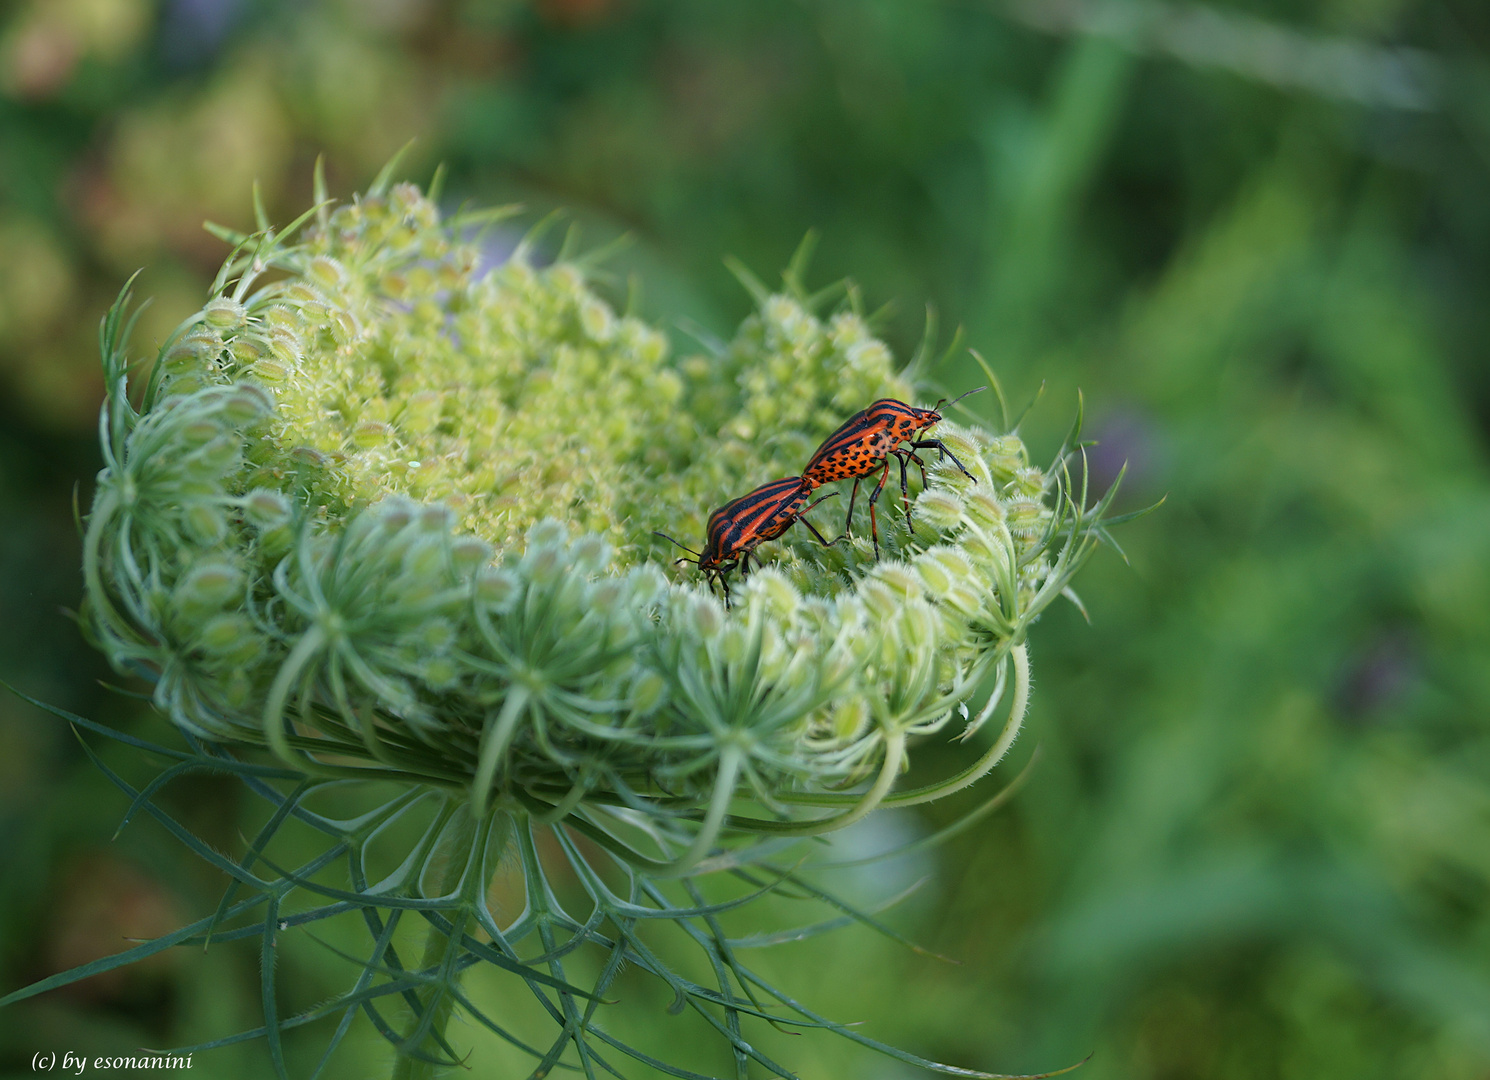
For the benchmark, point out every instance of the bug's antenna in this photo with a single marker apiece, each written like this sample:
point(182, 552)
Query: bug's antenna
point(697, 554)
point(955, 400)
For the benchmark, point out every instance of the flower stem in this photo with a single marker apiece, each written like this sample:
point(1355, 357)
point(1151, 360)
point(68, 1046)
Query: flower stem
point(1019, 654)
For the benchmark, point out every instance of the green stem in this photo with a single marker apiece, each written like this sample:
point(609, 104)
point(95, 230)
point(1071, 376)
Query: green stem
point(1017, 708)
point(463, 867)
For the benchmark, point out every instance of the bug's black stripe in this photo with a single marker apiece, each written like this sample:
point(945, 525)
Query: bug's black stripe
point(847, 434)
point(741, 524)
point(883, 415)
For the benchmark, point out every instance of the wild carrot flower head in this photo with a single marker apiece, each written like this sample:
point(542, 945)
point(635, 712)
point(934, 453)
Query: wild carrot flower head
point(388, 511)
point(384, 506)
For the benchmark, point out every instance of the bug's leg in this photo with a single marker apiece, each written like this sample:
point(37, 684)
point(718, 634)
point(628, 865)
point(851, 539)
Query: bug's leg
point(874, 528)
point(802, 517)
point(937, 444)
point(848, 522)
point(905, 491)
point(810, 525)
point(920, 465)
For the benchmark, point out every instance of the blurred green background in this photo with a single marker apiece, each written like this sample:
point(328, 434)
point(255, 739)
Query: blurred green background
point(1255, 234)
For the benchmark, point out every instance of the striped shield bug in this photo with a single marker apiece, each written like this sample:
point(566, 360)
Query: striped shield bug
point(740, 525)
point(866, 441)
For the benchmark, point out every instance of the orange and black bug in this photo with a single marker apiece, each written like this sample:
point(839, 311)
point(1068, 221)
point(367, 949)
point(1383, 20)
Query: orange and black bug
point(866, 441)
point(740, 525)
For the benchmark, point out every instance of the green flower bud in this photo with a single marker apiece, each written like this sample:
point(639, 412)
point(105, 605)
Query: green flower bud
point(224, 314)
point(934, 576)
point(265, 509)
point(231, 637)
point(732, 643)
point(469, 553)
point(396, 514)
point(597, 320)
point(206, 524)
point(1005, 457)
point(497, 589)
point(197, 349)
point(900, 578)
point(208, 587)
point(590, 554)
point(326, 272)
point(548, 533)
point(200, 432)
point(1027, 517)
point(440, 672)
point(939, 508)
point(850, 718)
point(246, 404)
point(880, 600)
point(770, 590)
point(983, 506)
point(648, 692)
point(1029, 481)
point(436, 519)
point(984, 550)
point(367, 434)
point(707, 617)
point(544, 564)
point(285, 344)
point(273, 372)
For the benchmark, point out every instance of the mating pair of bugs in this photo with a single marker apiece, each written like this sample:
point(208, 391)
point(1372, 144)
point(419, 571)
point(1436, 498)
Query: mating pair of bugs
point(865, 442)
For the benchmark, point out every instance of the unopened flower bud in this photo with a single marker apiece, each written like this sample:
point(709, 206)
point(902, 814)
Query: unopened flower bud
point(206, 523)
point(774, 593)
point(247, 404)
point(326, 272)
point(439, 672)
point(224, 313)
point(197, 348)
point(469, 553)
point(707, 617)
point(544, 564)
point(939, 508)
point(547, 533)
point(1029, 481)
point(497, 588)
point(648, 691)
point(265, 509)
point(850, 717)
point(983, 506)
point(367, 434)
point(231, 636)
point(900, 578)
point(1027, 517)
point(435, 518)
point(344, 328)
point(1005, 456)
point(590, 554)
point(200, 432)
point(208, 587)
point(732, 643)
point(596, 319)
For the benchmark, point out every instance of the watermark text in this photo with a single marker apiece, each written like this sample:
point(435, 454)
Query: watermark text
point(76, 1064)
